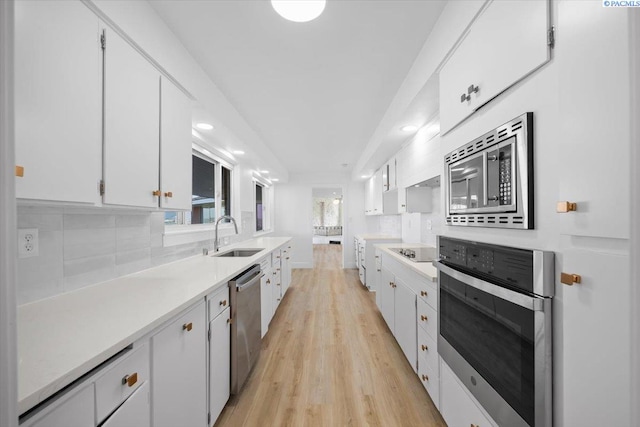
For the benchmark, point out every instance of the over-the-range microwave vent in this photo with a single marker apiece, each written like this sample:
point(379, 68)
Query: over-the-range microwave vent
point(497, 221)
point(486, 140)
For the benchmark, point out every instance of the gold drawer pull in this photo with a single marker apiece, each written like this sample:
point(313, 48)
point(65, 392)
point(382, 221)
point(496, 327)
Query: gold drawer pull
point(424, 347)
point(287, 258)
point(423, 293)
point(20, 171)
point(168, 194)
point(564, 207)
point(570, 279)
point(425, 377)
point(268, 281)
point(223, 303)
point(229, 320)
point(423, 318)
point(156, 193)
point(187, 326)
point(130, 380)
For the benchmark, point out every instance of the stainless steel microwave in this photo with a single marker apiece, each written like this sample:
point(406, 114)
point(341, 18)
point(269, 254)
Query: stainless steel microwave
point(489, 181)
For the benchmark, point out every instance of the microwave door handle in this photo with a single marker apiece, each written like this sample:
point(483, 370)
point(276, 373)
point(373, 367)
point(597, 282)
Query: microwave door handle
point(526, 301)
point(485, 178)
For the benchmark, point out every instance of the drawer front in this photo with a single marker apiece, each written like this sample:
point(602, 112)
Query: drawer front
point(428, 348)
point(121, 380)
point(136, 411)
point(428, 293)
point(277, 256)
point(265, 263)
point(218, 302)
point(428, 375)
point(428, 319)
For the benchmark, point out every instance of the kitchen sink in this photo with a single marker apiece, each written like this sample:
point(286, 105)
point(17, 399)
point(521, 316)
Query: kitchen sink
point(238, 253)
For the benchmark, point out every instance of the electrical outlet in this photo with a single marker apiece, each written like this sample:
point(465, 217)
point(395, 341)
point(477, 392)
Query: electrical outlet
point(28, 242)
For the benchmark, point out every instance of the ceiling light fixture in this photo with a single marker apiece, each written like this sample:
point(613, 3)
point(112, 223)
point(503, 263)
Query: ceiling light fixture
point(409, 128)
point(238, 152)
point(299, 10)
point(275, 179)
point(204, 126)
point(264, 171)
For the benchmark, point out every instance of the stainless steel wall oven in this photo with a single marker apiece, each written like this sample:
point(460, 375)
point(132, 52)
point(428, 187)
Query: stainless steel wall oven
point(489, 181)
point(495, 327)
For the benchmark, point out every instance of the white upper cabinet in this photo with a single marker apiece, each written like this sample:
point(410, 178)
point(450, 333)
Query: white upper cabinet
point(131, 126)
point(508, 41)
point(58, 101)
point(175, 147)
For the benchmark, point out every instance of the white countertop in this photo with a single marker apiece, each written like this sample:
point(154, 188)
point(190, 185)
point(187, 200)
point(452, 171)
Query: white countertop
point(377, 237)
point(63, 337)
point(424, 268)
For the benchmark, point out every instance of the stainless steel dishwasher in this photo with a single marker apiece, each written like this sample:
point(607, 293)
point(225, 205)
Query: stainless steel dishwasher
point(244, 293)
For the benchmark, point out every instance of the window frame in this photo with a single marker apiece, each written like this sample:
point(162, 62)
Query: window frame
point(267, 207)
point(180, 226)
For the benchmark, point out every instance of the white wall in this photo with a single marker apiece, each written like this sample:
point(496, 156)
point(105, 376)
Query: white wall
point(294, 218)
point(8, 346)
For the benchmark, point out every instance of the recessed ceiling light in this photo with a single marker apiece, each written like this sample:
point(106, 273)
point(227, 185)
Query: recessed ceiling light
point(299, 10)
point(275, 179)
point(204, 126)
point(409, 128)
point(364, 176)
point(264, 171)
point(238, 152)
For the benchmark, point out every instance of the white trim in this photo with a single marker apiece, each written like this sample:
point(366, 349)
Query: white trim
point(8, 267)
point(635, 214)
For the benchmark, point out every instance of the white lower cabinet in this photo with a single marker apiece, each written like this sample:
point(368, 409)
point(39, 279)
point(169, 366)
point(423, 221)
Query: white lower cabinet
point(386, 299)
point(266, 300)
point(457, 406)
point(179, 371)
point(75, 410)
point(430, 379)
point(405, 322)
point(219, 364)
point(276, 290)
point(135, 411)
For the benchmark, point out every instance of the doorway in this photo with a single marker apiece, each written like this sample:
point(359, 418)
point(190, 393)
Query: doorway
point(328, 213)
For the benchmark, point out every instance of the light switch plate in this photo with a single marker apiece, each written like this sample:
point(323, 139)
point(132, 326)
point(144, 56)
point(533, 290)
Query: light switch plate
point(28, 245)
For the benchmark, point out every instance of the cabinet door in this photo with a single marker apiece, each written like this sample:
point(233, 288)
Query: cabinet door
point(135, 411)
point(131, 125)
point(266, 300)
point(58, 101)
point(377, 186)
point(490, 58)
point(405, 322)
point(76, 411)
point(276, 290)
point(219, 364)
point(179, 371)
point(175, 147)
point(594, 351)
point(456, 406)
point(387, 304)
point(599, 137)
point(391, 165)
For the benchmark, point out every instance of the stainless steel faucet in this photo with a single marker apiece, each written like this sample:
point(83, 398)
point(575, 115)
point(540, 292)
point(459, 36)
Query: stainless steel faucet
point(216, 244)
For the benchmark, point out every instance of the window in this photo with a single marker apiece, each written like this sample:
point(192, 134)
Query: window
point(211, 193)
point(259, 208)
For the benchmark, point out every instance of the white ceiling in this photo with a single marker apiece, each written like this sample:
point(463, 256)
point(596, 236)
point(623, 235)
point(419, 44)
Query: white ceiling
point(314, 92)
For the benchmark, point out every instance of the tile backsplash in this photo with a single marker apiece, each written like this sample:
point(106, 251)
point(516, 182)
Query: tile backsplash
point(81, 248)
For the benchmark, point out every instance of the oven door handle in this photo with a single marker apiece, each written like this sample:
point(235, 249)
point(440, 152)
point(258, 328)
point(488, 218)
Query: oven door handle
point(526, 301)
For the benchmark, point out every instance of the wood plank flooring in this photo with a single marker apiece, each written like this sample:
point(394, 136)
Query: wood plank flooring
point(330, 360)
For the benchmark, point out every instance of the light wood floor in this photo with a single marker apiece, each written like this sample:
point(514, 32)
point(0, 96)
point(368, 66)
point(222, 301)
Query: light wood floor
point(330, 360)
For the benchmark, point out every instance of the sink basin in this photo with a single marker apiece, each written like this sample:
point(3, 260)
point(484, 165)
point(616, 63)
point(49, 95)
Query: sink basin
point(238, 253)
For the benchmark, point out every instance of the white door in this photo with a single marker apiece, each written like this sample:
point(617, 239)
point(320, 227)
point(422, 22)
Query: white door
point(405, 323)
point(219, 363)
point(387, 304)
point(175, 148)
point(58, 101)
point(131, 126)
point(179, 371)
point(136, 411)
point(266, 300)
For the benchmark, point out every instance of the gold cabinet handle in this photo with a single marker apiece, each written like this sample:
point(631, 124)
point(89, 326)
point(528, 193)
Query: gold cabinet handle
point(564, 207)
point(425, 377)
point(570, 279)
point(20, 171)
point(268, 281)
point(423, 318)
point(223, 303)
point(229, 320)
point(187, 326)
point(168, 194)
point(423, 293)
point(130, 380)
point(287, 258)
point(156, 193)
point(424, 347)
